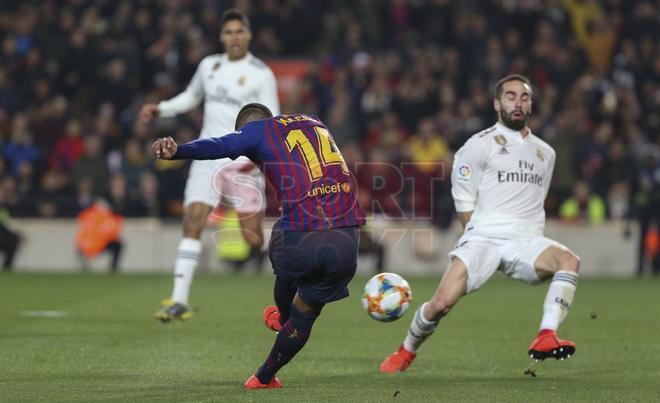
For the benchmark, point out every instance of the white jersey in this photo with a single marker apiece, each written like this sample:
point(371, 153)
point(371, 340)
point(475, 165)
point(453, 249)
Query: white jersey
point(225, 86)
point(504, 180)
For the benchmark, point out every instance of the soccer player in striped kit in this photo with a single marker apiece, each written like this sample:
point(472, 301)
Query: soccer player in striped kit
point(500, 179)
point(225, 82)
point(314, 245)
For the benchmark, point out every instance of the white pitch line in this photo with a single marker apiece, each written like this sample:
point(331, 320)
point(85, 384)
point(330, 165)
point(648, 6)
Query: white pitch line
point(43, 314)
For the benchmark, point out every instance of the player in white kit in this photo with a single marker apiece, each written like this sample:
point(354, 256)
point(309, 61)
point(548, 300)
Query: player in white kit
point(500, 179)
point(225, 82)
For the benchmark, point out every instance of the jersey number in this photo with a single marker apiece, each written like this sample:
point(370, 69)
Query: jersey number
point(330, 154)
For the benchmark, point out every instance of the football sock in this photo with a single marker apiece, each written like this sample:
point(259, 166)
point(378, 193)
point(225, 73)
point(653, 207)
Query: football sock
point(283, 292)
point(186, 260)
point(420, 329)
point(289, 341)
point(559, 299)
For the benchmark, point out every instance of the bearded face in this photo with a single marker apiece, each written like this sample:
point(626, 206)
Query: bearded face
point(514, 106)
point(515, 119)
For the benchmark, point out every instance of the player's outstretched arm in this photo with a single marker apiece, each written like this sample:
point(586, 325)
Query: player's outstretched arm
point(185, 101)
point(233, 145)
point(164, 148)
point(148, 113)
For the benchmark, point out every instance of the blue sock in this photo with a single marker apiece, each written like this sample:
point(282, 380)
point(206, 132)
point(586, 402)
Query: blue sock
point(289, 341)
point(283, 292)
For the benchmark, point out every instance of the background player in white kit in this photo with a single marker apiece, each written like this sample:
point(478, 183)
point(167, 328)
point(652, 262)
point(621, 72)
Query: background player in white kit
point(500, 179)
point(225, 82)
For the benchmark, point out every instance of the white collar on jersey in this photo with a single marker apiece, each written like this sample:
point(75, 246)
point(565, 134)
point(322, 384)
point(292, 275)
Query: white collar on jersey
point(512, 133)
point(225, 58)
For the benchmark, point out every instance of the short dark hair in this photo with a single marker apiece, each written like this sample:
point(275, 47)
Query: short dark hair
point(510, 77)
point(234, 14)
point(252, 112)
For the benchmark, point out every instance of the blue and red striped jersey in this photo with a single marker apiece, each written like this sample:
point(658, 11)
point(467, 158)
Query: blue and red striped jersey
point(302, 162)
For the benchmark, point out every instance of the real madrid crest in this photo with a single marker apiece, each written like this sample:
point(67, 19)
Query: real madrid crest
point(241, 80)
point(501, 140)
point(216, 66)
point(539, 154)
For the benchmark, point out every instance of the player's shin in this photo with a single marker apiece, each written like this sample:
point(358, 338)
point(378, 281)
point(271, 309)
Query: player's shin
point(186, 261)
point(559, 299)
point(289, 341)
point(420, 329)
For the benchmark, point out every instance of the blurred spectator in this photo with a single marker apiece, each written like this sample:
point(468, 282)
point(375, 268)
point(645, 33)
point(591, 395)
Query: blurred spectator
point(20, 148)
point(583, 206)
point(148, 194)
point(26, 189)
point(68, 148)
point(54, 196)
point(92, 165)
point(430, 162)
point(9, 240)
point(99, 230)
point(84, 193)
point(376, 70)
point(647, 208)
point(618, 201)
point(135, 161)
point(118, 196)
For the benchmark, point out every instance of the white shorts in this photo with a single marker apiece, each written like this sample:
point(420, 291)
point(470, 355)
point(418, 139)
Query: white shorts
point(483, 256)
point(210, 180)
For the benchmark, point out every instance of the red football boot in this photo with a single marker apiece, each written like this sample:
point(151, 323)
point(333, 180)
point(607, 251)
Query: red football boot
point(547, 345)
point(272, 318)
point(254, 383)
point(398, 362)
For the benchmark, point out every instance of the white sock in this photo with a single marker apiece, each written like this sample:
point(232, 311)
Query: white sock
point(559, 299)
point(186, 261)
point(420, 329)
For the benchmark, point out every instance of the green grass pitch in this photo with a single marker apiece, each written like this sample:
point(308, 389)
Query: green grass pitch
point(108, 346)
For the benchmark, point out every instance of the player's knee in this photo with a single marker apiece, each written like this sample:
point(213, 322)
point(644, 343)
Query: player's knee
point(568, 261)
point(193, 222)
point(437, 308)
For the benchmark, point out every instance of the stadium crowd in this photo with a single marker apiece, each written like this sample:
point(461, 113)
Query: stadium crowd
point(396, 81)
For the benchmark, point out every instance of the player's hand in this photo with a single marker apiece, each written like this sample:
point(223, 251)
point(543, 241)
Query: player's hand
point(164, 148)
point(148, 112)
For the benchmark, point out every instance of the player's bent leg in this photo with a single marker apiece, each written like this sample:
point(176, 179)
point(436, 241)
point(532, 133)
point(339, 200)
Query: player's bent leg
point(562, 265)
point(556, 258)
point(251, 228)
point(291, 339)
point(284, 291)
point(451, 288)
point(194, 219)
point(188, 252)
point(252, 232)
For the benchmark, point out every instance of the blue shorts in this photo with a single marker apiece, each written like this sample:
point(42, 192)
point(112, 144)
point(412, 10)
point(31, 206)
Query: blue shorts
point(319, 263)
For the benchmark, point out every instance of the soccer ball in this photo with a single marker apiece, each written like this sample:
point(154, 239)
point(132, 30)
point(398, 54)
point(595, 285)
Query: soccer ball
point(387, 297)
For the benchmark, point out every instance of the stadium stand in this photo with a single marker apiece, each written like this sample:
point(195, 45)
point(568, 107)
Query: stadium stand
point(73, 74)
